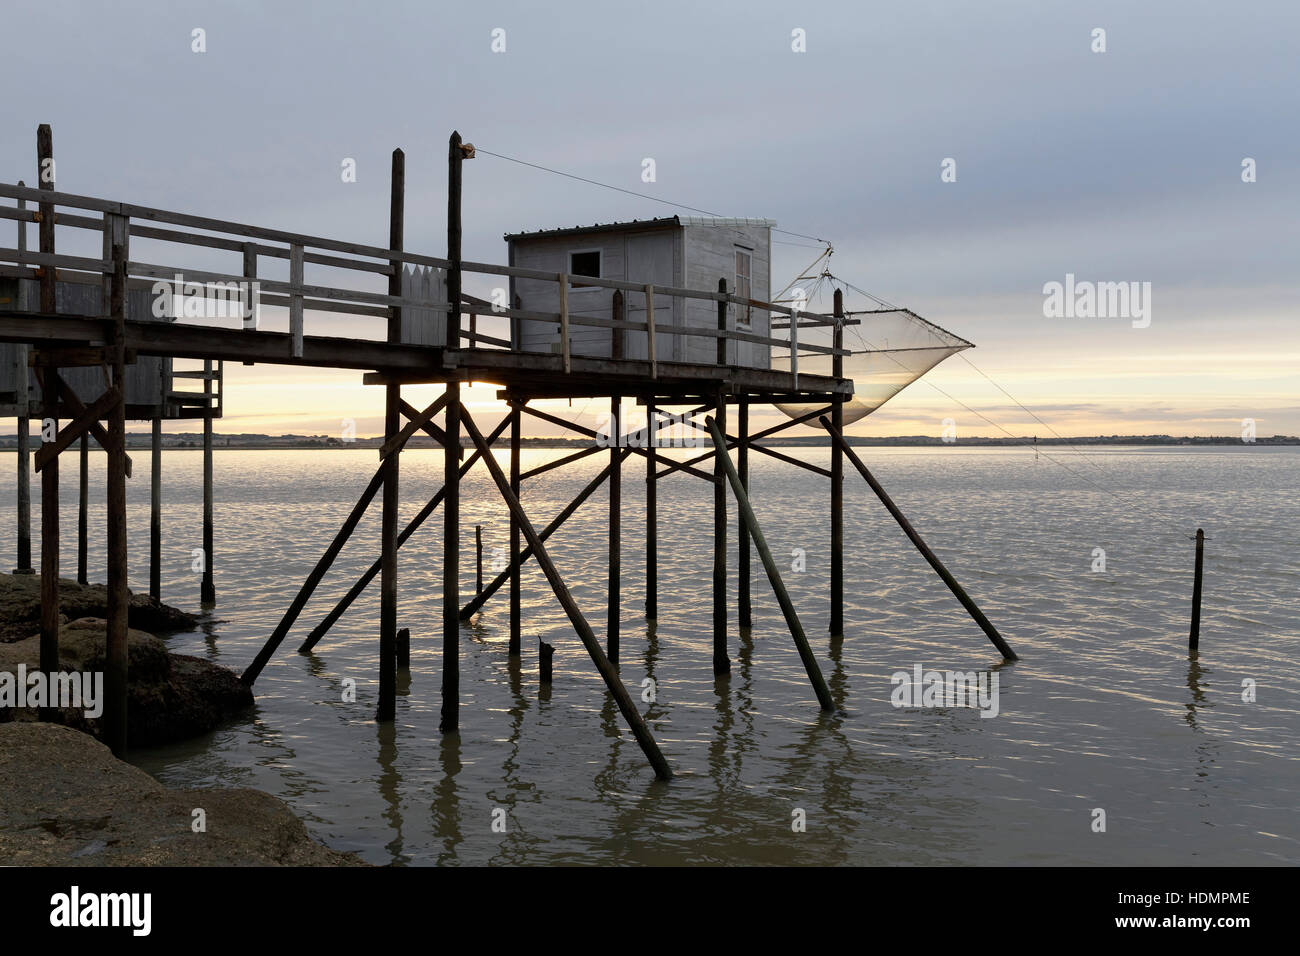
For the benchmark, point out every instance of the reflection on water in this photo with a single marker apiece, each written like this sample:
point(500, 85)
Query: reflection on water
point(1106, 709)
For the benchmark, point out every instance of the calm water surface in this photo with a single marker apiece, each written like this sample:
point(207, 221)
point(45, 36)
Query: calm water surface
point(1104, 711)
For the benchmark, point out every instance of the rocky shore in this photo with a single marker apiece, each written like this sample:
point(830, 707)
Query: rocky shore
point(66, 800)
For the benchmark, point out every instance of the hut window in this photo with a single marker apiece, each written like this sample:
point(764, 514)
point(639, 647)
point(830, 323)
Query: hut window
point(584, 262)
point(744, 286)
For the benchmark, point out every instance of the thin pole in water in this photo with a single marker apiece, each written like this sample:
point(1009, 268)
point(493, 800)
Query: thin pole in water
point(1194, 636)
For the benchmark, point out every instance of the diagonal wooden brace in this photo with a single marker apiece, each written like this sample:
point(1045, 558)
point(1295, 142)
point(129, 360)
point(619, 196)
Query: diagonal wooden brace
point(79, 426)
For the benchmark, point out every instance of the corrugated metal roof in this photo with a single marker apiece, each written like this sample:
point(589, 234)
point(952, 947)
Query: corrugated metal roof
point(640, 224)
point(635, 224)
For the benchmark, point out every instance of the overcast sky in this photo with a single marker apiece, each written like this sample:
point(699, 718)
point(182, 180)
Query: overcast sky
point(1117, 166)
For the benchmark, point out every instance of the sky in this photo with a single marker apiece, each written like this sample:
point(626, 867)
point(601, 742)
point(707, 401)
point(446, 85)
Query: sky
point(1117, 166)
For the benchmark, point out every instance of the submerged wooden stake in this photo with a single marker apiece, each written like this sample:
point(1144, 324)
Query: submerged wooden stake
point(544, 665)
point(576, 618)
point(615, 532)
point(837, 482)
point(810, 664)
point(516, 483)
point(207, 591)
point(744, 604)
point(652, 513)
point(721, 662)
point(930, 556)
point(1194, 635)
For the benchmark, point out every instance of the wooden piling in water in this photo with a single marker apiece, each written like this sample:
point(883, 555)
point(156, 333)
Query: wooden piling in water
point(721, 662)
point(652, 513)
point(545, 653)
point(83, 506)
point(155, 511)
point(386, 708)
point(958, 591)
point(404, 649)
point(837, 480)
point(516, 612)
point(24, 562)
point(576, 618)
point(451, 461)
point(810, 664)
point(208, 589)
point(615, 530)
point(1194, 635)
point(744, 603)
point(478, 559)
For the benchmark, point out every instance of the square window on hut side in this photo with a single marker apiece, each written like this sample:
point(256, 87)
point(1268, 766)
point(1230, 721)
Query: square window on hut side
point(584, 262)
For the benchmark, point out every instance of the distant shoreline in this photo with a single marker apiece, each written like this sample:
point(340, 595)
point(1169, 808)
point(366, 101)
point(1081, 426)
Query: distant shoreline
point(193, 441)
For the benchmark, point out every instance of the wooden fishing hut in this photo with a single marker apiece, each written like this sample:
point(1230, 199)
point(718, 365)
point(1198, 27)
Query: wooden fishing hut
point(671, 316)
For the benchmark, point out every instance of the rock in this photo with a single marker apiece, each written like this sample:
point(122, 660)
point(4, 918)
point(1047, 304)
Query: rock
point(65, 800)
point(20, 607)
point(170, 697)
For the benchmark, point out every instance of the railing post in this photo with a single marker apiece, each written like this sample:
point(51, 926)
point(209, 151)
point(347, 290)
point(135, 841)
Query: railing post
point(295, 299)
point(650, 329)
point(564, 319)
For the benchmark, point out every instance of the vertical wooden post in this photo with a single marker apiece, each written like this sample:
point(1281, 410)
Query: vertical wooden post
point(744, 606)
point(652, 513)
point(115, 675)
point(1194, 636)
point(619, 336)
point(45, 231)
point(295, 299)
point(22, 397)
point(404, 649)
point(49, 653)
point(451, 462)
point(811, 667)
point(83, 505)
point(155, 511)
point(615, 528)
point(478, 559)
point(516, 619)
point(207, 590)
point(721, 662)
point(544, 665)
point(387, 705)
point(837, 481)
point(451, 564)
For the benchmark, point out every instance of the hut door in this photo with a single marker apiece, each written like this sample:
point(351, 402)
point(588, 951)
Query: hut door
point(650, 259)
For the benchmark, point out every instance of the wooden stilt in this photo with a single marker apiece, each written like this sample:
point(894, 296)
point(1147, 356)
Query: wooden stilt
point(576, 618)
point(837, 483)
point(207, 590)
point(155, 512)
point(373, 571)
point(744, 606)
point(387, 705)
point(451, 563)
point(83, 506)
point(921, 546)
point(652, 513)
point(516, 613)
point(773, 573)
point(49, 653)
point(115, 670)
point(721, 662)
point(404, 649)
point(451, 478)
point(615, 530)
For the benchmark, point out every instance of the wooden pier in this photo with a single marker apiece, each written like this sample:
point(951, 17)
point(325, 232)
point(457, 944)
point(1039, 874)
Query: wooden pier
point(698, 394)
